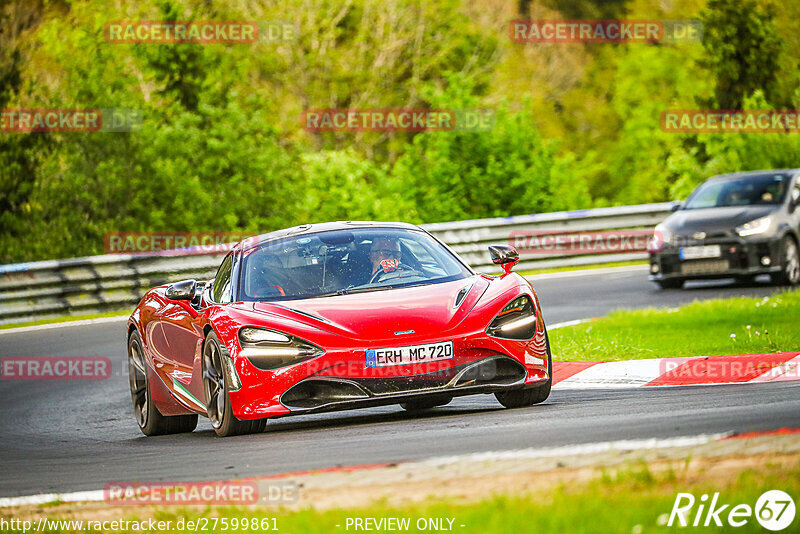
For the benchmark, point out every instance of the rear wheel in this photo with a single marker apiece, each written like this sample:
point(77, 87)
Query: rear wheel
point(671, 283)
point(150, 420)
point(217, 391)
point(425, 404)
point(519, 398)
point(790, 264)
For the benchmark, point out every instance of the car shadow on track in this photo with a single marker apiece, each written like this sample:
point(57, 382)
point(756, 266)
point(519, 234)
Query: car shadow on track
point(344, 419)
point(352, 418)
point(724, 287)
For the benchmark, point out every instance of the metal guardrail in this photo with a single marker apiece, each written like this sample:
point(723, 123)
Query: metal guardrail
point(47, 289)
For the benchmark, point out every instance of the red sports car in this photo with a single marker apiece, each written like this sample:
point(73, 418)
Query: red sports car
point(329, 317)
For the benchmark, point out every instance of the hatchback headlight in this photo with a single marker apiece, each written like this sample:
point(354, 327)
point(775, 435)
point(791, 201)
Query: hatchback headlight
point(517, 320)
point(661, 236)
point(267, 349)
point(756, 226)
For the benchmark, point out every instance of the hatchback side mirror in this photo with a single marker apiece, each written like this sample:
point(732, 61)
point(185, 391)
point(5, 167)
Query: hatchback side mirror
point(183, 290)
point(504, 255)
point(795, 197)
point(676, 205)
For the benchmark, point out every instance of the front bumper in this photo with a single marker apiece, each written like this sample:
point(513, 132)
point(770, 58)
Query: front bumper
point(740, 257)
point(490, 374)
point(340, 380)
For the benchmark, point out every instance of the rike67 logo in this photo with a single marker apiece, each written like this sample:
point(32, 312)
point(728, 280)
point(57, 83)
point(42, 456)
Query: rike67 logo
point(774, 510)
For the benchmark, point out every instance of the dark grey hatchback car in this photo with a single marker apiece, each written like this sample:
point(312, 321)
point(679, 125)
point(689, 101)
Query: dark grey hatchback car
point(732, 226)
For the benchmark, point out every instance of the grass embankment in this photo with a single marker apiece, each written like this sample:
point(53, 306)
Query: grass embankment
point(630, 500)
point(708, 328)
point(569, 268)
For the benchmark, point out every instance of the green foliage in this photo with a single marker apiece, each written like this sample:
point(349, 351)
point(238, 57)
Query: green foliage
point(732, 152)
point(743, 47)
point(648, 81)
point(509, 171)
point(341, 185)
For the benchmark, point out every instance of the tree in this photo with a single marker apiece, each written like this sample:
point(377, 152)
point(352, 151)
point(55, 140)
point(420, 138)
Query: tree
point(743, 50)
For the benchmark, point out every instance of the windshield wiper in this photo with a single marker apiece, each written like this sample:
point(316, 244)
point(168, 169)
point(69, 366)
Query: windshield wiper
point(362, 289)
point(347, 291)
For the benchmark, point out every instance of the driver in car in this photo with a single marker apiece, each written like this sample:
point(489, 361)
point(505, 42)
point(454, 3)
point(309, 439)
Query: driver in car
point(384, 254)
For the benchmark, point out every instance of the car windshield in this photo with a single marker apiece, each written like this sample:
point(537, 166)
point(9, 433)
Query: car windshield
point(338, 262)
point(750, 191)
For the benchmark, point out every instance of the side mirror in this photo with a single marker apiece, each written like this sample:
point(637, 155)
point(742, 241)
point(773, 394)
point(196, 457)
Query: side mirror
point(676, 205)
point(183, 290)
point(795, 194)
point(504, 255)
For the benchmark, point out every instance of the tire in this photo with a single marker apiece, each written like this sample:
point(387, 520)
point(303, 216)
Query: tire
point(425, 404)
point(790, 264)
point(149, 419)
point(217, 394)
point(671, 283)
point(520, 398)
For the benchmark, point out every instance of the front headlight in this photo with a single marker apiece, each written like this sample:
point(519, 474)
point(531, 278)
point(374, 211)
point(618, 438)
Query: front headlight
point(268, 350)
point(756, 226)
point(517, 320)
point(661, 236)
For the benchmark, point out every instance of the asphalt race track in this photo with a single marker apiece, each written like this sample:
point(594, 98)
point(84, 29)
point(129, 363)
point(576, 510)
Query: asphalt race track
point(60, 436)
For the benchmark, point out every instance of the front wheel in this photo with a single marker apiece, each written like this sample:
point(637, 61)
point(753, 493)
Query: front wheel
point(217, 390)
point(150, 420)
point(519, 398)
point(789, 274)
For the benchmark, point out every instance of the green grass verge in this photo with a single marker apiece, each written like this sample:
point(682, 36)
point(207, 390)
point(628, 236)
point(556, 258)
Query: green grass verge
point(707, 328)
point(582, 267)
point(68, 318)
point(629, 501)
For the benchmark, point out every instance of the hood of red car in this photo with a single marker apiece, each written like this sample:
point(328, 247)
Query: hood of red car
point(427, 309)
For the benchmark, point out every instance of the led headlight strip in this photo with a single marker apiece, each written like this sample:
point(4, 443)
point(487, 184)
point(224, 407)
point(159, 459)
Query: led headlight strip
point(517, 320)
point(268, 350)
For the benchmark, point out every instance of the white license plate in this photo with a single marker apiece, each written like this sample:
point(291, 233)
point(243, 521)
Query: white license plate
point(430, 352)
point(705, 267)
point(697, 253)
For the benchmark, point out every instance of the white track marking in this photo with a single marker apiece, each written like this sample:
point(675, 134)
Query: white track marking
point(567, 323)
point(82, 322)
point(78, 496)
point(576, 450)
point(622, 374)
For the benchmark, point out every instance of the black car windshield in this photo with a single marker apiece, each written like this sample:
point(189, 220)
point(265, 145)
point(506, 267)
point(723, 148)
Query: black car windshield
point(751, 191)
point(338, 262)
